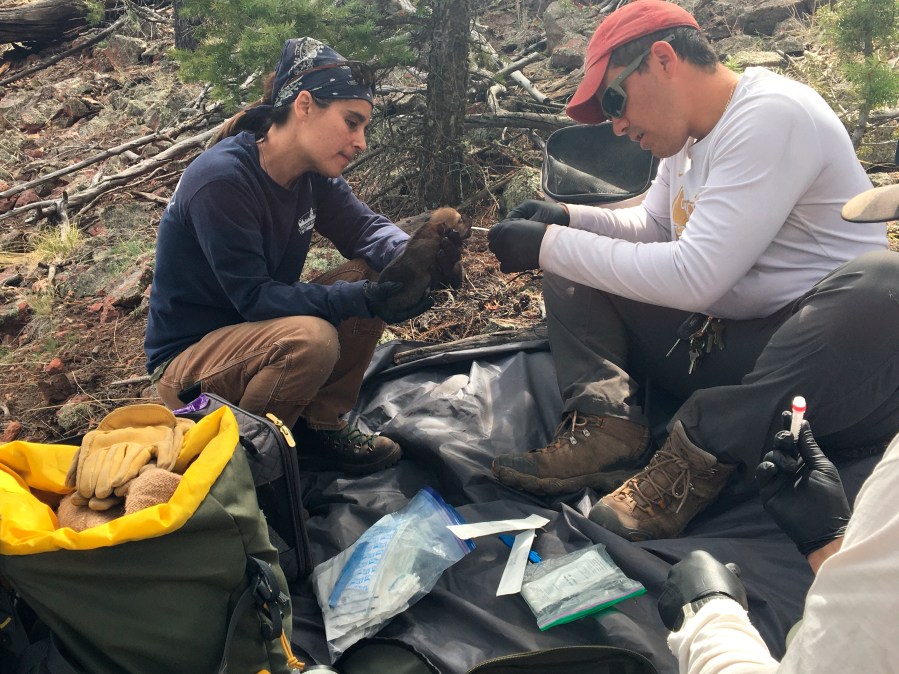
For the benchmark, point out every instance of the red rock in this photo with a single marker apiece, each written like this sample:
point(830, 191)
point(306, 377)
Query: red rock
point(55, 366)
point(11, 432)
point(27, 197)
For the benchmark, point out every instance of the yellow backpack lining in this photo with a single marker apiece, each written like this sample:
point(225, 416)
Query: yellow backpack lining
point(29, 526)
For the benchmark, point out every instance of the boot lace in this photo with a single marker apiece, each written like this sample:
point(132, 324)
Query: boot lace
point(567, 431)
point(353, 437)
point(667, 475)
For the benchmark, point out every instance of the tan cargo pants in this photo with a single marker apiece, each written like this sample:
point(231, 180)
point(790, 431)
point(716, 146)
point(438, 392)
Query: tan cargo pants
point(296, 366)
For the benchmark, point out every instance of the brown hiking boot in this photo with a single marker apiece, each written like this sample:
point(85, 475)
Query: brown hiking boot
point(588, 451)
point(661, 499)
point(347, 449)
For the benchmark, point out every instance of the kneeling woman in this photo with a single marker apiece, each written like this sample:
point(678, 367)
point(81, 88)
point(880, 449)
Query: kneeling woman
point(227, 312)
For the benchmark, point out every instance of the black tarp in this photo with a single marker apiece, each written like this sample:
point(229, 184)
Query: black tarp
point(452, 413)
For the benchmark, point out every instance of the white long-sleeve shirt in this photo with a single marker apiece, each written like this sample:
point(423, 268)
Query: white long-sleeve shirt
point(850, 622)
point(737, 224)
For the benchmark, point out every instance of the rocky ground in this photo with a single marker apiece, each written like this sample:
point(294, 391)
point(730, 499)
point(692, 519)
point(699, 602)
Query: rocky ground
point(73, 292)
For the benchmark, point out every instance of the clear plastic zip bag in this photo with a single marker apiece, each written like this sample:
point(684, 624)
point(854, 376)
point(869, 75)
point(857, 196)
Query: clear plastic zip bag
point(392, 565)
point(566, 588)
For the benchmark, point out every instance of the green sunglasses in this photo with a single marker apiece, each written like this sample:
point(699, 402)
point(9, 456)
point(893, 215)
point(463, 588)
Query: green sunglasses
point(614, 98)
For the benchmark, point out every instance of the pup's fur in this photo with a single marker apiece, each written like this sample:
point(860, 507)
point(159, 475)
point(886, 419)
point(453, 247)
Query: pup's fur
point(416, 268)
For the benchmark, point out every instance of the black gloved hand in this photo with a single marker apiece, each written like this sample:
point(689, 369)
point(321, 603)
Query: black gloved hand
point(449, 260)
point(516, 244)
point(541, 211)
point(803, 494)
point(696, 576)
point(377, 298)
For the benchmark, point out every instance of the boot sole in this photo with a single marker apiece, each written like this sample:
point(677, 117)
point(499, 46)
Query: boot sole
point(605, 517)
point(604, 482)
point(320, 463)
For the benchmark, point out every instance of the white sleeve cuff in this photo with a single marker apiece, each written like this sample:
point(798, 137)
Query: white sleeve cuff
point(720, 639)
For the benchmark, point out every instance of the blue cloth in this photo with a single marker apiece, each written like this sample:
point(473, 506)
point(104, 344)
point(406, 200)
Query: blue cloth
point(232, 243)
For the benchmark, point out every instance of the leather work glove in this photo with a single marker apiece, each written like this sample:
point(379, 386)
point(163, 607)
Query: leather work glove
point(449, 260)
point(516, 244)
point(541, 211)
point(697, 576)
point(803, 494)
point(125, 441)
point(94, 503)
point(376, 298)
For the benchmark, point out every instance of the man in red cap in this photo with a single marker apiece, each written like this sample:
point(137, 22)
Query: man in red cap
point(735, 285)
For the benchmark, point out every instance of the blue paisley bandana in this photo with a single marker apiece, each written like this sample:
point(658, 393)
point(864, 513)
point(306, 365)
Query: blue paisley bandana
point(309, 65)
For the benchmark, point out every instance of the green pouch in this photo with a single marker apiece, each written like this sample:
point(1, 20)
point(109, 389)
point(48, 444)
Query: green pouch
point(569, 587)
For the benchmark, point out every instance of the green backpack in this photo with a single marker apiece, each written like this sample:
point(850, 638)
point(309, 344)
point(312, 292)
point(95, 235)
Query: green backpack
point(166, 589)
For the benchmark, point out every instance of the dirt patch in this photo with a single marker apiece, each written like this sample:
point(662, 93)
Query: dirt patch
point(94, 359)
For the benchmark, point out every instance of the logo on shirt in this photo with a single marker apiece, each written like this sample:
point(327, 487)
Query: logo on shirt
point(171, 204)
point(307, 222)
point(681, 210)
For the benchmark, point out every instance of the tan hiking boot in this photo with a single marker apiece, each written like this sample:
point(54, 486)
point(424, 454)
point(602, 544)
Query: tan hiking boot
point(588, 451)
point(661, 499)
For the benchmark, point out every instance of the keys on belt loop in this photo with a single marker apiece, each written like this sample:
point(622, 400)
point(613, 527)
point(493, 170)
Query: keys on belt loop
point(687, 329)
point(702, 334)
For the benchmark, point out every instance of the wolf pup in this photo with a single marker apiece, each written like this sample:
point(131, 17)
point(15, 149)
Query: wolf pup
point(416, 267)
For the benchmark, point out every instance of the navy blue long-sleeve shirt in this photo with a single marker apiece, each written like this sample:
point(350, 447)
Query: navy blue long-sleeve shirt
point(232, 243)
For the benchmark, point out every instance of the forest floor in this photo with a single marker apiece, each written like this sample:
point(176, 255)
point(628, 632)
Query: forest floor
point(73, 313)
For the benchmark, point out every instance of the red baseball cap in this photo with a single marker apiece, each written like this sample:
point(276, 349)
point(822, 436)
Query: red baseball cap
point(634, 20)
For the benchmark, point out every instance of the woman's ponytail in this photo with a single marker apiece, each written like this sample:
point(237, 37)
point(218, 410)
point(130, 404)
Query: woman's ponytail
point(255, 118)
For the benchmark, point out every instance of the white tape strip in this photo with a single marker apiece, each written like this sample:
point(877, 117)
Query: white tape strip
point(466, 531)
point(513, 574)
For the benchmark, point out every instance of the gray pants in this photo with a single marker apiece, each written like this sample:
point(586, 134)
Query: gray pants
point(838, 346)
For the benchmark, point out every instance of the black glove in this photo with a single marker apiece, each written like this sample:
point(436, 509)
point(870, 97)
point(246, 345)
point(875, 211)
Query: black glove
point(541, 211)
point(696, 576)
point(449, 260)
point(516, 244)
point(377, 297)
point(803, 494)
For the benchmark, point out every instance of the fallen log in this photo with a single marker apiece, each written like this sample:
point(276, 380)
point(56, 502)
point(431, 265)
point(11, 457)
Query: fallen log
point(68, 52)
point(519, 120)
point(165, 134)
point(51, 207)
point(43, 21)
point(475, 342)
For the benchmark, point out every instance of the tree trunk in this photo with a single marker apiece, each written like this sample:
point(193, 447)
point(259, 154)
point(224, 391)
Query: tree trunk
point(184, 29)
point(41, 22)
point(442, 159)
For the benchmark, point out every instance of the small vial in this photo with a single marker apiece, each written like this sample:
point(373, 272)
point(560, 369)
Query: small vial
point(798, 409)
